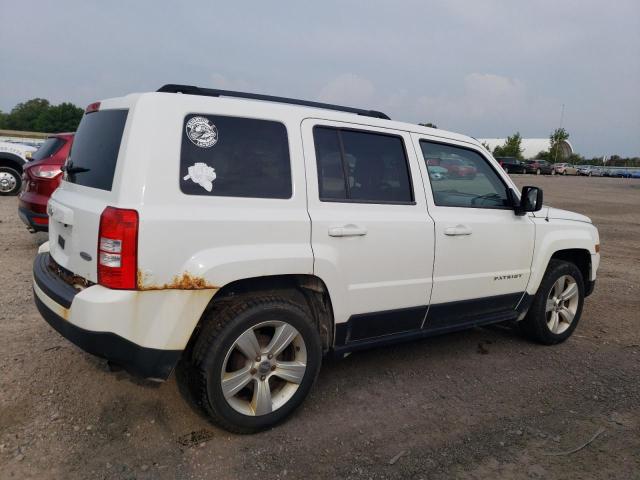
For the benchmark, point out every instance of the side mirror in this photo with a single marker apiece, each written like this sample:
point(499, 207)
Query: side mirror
point(530, 200)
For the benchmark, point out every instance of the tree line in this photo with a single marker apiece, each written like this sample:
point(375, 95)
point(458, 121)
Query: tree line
point(512, 148)
point(39, 115)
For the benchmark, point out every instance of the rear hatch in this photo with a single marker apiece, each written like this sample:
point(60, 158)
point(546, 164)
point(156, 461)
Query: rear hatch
point(87, 189)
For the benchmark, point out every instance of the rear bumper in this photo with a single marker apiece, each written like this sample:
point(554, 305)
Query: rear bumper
point(35, 222)
point(55, 300)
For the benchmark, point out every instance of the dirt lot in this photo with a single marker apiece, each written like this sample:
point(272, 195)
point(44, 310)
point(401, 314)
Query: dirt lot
point(479, 404)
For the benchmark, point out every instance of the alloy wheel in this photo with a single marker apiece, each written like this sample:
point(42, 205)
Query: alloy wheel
point(264, 368)
point(562, 304)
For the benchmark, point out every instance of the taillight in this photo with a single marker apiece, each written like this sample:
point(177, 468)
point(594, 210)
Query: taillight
point(92, 107)
point(45, 171)
point(118, 248)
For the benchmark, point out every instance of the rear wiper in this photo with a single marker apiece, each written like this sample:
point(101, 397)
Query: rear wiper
point(70, 169)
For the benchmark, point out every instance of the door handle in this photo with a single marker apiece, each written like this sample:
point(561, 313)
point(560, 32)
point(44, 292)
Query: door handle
point(347, 231)
point(457, 230)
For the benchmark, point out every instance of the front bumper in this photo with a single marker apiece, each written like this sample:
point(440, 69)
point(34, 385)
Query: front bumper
point(55, 299)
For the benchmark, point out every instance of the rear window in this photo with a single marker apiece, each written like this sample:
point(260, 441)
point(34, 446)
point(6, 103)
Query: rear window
point(234, 157)
point(48, 148)
point(95, 149)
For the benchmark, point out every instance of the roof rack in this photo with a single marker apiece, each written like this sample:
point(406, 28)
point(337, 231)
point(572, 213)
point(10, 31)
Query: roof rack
point(212, 92)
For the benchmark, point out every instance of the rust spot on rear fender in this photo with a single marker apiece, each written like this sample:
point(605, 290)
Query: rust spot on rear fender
point(185, 281)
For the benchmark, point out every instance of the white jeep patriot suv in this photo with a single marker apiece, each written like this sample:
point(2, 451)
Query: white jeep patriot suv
point(242, 237)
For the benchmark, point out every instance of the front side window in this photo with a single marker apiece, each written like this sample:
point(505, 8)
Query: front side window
point(234, 157)
point(462, 178)
point(359, 166)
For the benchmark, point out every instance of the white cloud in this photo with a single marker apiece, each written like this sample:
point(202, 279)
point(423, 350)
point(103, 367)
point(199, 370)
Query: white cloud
point(484, 95)
point(223, 82)
point(348, 89)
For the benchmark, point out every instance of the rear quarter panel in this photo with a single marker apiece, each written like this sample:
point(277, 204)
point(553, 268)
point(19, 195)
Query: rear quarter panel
point(214, 240)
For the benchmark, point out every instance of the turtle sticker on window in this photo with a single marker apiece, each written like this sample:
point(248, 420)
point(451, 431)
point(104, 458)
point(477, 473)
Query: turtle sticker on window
point(202, 174)
point(202, 132)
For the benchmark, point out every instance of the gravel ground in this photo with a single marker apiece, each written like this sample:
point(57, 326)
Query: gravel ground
point(478, 404)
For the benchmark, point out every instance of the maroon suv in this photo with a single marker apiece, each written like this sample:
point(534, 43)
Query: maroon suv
point(40, 178)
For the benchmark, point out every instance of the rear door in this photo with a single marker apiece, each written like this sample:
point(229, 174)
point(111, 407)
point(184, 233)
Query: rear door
point(75, 208)
point(483, 250)
point(372, 237)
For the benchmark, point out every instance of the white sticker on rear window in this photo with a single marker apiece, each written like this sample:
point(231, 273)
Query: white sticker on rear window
point(202, 174)
point(202, 132)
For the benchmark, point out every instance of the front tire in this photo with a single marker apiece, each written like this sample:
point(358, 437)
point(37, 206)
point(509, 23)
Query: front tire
point(557, 306)
point(254, 363)
point(10, 181)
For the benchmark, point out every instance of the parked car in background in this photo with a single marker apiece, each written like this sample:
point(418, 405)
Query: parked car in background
point(41, 177)
point(539, 167)
point(591, 171)
point(565, 169)
point(620, 173)
point(13, 156)
point(457, 168)
point(511, 164)
point(635, 173)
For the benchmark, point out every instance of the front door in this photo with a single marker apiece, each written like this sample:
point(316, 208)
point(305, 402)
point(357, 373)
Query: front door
point(372, 237)
point(483, 250)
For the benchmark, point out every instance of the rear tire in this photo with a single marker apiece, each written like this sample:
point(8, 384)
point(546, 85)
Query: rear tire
point(557, 306)
point(246, 395)
point(10, 181)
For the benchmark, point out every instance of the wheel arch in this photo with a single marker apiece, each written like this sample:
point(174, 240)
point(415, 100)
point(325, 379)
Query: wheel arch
point(307, 290)
point(11, 160)
point(580, 257)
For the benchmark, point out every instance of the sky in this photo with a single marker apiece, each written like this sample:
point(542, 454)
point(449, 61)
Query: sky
point(485, 69)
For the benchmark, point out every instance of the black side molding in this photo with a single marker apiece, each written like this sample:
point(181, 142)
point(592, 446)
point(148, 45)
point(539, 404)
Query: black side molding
point(370, 330)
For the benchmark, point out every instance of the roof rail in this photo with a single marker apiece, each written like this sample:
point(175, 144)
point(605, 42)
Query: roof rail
point(212, 92)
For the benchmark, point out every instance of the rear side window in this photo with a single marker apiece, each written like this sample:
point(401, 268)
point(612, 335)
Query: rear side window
point(234, 157)
point(359, 166)
point(94, 152)
point(48, 148)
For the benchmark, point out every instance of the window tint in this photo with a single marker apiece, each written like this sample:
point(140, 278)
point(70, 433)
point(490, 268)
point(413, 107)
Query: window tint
point(361, 166)
point(49, 147)
point(95, 148)
point(234, 157)
point(462, 178)
point(330, 169)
